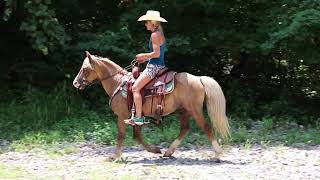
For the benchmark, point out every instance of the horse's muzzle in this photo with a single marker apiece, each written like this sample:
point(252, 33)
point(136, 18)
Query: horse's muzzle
point(77, 85)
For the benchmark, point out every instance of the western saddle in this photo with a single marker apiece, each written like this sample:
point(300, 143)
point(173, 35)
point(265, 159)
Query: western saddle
point(155, 89)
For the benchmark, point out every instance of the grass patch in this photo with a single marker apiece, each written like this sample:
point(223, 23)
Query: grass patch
point(36, 110)
point(50, 120)
point(103, 130)
point(270, 130)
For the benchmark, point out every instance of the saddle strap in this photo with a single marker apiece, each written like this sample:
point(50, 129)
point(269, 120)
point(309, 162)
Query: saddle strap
point(151, 104)
point(129, 95)
point(163, 90)
point(160, 93)
point(116, 92)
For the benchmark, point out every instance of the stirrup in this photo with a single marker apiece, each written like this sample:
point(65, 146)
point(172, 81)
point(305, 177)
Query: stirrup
point(140, 121)
point(136, 121)
point(129, 121)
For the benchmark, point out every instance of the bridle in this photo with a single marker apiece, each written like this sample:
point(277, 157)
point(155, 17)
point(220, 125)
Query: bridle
point(130, 66)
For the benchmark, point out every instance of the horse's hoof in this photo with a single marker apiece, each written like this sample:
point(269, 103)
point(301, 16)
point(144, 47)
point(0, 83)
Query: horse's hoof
point(158, 150)
point(154, 149)
point(216, 160)
point(168, 154)
point(112, 158)
point(169, 157)
point(217, 155)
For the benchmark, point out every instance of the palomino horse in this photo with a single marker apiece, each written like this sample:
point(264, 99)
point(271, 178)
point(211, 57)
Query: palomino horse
point(188, 97)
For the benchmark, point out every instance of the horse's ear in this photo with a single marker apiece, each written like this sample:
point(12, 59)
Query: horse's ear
point(89, 57)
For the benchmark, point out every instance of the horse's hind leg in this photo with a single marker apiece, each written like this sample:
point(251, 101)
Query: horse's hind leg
point(139, 139)
point(206, 127)
point(184, 128)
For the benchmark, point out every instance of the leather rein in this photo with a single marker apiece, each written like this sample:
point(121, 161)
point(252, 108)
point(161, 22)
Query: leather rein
point(130, 66)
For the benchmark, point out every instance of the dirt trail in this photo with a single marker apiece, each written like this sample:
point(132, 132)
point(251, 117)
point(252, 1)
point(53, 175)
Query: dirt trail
point(88, 162)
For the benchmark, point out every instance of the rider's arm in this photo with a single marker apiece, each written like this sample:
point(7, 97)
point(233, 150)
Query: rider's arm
point(155, 37)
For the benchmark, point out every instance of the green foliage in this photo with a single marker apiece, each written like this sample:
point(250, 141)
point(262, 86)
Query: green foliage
point(104, 43)
point(271, 130)
point(9, 6)
point(39, 23)
point(61, 118)
point(37, 110)
point(239, 104)
point(241, 135)
point(42, 27)
point(301, 31)
point(103, 133)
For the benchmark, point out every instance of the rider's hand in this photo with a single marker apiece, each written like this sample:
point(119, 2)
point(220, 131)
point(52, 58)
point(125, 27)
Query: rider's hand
point(141, 57)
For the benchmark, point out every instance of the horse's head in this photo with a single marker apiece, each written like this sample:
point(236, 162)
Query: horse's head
point(87, 73)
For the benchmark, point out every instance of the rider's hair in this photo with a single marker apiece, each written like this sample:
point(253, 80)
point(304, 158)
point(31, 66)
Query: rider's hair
point(157, 25)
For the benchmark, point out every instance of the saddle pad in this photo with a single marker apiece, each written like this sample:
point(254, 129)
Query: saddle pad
point(169, 88)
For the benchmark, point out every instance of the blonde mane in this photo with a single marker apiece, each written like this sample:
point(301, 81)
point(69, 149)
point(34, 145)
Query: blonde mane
point(108, 63)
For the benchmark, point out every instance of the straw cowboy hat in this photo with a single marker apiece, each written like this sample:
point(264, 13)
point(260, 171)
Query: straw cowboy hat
point(152, 16)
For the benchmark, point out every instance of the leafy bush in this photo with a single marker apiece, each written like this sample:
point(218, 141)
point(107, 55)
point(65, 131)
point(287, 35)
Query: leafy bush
point(37, 110)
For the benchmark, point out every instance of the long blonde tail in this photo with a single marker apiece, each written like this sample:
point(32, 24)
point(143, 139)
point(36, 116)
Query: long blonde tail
point(216, 106)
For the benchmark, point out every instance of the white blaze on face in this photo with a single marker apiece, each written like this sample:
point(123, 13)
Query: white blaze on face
point(75, 82)
point(85, 64)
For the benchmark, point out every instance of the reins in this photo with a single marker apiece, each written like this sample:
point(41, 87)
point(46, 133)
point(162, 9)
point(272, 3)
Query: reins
point(130, 66)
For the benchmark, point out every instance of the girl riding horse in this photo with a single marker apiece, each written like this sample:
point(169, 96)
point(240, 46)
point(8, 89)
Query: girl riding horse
point(155, 58)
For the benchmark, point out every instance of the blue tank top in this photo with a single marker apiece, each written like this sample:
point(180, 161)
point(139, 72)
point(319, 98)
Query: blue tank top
point(160, 59)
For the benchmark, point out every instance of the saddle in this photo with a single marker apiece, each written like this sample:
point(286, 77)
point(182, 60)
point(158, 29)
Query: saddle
point(156, 89)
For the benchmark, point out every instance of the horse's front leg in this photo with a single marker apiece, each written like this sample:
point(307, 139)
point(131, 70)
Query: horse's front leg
point(138, 137)
point(120, 139)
